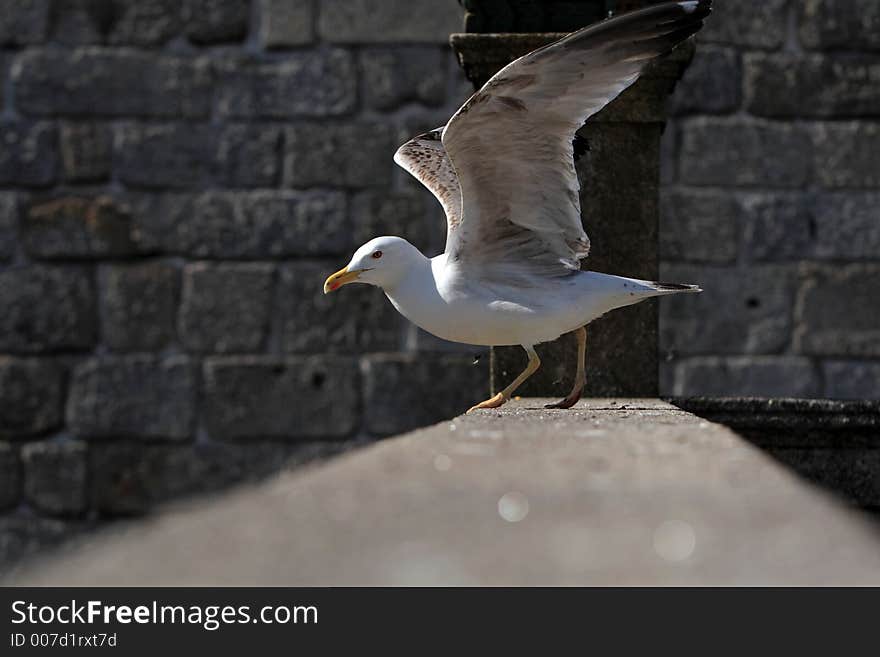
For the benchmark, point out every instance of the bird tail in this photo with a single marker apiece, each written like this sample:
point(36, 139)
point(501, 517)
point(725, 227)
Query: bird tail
point(674, 288)
point(606, 292)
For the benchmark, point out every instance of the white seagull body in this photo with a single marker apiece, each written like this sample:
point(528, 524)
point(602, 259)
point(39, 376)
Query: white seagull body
point(447, 300)
point(503, 169)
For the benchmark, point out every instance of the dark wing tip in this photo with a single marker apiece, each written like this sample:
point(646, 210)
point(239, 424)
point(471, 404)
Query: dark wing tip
point(676, 287)
point(696, 9)
point(674, 28)
point(704, 8)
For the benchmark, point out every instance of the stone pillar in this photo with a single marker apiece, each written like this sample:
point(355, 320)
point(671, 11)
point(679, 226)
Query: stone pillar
point(619, 205)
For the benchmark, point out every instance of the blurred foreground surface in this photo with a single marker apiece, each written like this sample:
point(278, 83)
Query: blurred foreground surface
point(621, 492)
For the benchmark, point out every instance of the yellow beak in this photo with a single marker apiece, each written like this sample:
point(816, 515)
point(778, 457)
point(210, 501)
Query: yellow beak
point(340, 278)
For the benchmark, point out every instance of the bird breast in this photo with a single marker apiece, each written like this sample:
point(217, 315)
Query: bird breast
point(448, 303)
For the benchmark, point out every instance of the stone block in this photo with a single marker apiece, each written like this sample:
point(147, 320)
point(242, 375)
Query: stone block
point(155, 217)
point(249, 156)
point(139, 305)
point(28, 154)
point(76, 227)
point(203, 225)
point(394, 76)
point(416, 217)
point(146, 22)
point(299, 223)
point(56, 476)
point(314, 154)
point(77, 22)
point(265, 224)
point(839, 24)
point(787, 85)
point(46, 309)
point(388, 21)
point(23, 22)
point(10, 476)
point(8, 225)
point(355, 319)
point(396, 387)
point(756, 24)
point(847, 154)
point(309, 398)
point(847, 225)
point(166, 155)
point(837, 311)
point(217, 21)
point(22, 535)
point(100, 82)
point(742, 152)
point(304, 84)
point(851, 379)
point(143, 23)
point(126, 476)
point(748, 376)
point(778, 227)
point(86, 151)
point(225, 308)
point(31, 396)
point(699, 226)
point(5, 61)
point(711, 84)
point(742, 310)
point(286, 23)
point(134, 396)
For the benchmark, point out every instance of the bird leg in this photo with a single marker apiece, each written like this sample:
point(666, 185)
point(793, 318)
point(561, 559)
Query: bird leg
point(580, 378)
point(504, 396)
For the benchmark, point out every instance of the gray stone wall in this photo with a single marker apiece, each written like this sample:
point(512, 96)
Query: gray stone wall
point(172, 195)
point(176, 181)
point(771, 201)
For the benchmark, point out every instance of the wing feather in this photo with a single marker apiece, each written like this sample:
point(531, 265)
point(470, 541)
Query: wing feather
point(426, 159)
point(511, 142)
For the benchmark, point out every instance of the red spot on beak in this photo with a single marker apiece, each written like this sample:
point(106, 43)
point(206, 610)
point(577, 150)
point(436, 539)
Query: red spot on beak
point(334, 286)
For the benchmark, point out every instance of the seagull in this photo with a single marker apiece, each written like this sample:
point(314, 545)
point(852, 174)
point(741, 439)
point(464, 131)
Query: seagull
point(503, 170)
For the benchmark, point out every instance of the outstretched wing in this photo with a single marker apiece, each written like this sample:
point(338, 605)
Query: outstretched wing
point(511, 142)
point(426, 159)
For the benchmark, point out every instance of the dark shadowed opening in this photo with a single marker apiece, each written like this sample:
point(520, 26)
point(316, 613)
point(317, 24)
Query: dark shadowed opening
point(835, 444)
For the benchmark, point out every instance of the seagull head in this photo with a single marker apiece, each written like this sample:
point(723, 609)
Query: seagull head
point(383, 262)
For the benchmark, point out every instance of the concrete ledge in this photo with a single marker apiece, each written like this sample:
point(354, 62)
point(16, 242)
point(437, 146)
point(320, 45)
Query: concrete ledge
point(612, 492)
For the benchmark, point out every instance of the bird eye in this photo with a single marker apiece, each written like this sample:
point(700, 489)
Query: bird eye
point(377, 254)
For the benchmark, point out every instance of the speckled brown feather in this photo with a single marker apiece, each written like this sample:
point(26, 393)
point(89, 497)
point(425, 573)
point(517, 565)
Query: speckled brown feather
point(425, 158)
